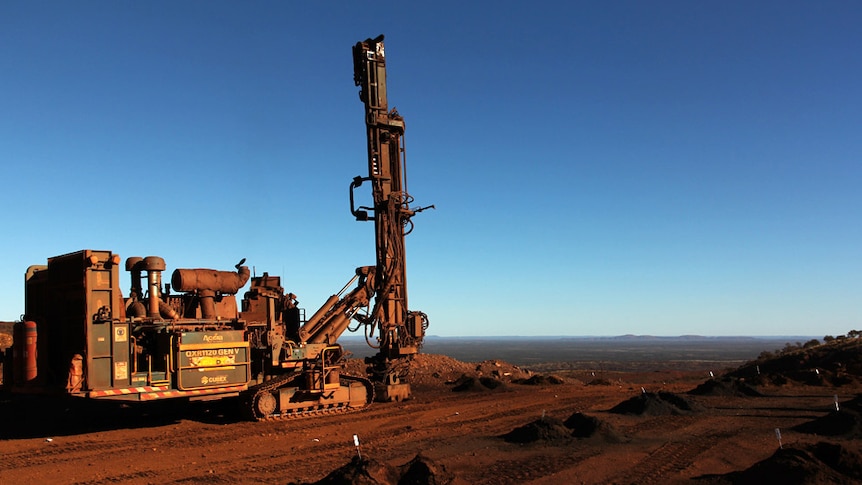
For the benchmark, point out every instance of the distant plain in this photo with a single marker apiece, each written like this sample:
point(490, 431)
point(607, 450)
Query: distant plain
point(627, 353)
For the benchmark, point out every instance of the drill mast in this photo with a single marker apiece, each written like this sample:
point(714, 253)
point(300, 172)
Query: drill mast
point(400, 331)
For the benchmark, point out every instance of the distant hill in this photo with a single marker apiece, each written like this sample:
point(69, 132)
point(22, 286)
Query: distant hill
point(836, 362)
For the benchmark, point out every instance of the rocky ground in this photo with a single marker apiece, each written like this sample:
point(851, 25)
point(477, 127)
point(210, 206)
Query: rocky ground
point(475, 423)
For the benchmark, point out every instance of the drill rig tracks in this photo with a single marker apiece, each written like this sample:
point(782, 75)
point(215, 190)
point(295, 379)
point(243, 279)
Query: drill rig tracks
point(261, 403)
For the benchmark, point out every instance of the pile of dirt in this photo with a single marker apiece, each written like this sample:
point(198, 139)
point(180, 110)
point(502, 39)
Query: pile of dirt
point(846, 423)
point(433, 370)
point(469, 383)
point(599, 382)
point(727, 386)
point(546, 429)
point(765, 380)
point(541, 380)
point(584, 427)
point(503, 371)
point(438, 369)
point(552, 430)
point(491, 374)
point(656, 404)
point(799, 464)
point(421, 470)
point(361, 471)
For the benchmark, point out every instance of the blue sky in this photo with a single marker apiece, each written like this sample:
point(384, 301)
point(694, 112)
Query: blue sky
point(598, 168)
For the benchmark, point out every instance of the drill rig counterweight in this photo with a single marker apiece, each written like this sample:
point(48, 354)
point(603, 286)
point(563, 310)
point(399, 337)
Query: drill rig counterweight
point(400, 331)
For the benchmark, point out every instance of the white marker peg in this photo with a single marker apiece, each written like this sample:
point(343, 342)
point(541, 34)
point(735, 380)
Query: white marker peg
point(711, 376)
point(778, 437)
point(356, 443)
point(836, 403)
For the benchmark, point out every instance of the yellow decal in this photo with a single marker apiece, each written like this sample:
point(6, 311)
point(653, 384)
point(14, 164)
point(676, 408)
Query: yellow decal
point(211, 357)
point(121, 371)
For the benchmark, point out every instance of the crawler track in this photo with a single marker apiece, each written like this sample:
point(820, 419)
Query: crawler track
point(314, 408)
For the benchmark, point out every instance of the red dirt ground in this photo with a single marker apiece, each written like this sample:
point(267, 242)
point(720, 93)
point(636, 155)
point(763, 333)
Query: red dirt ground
point(458, 434)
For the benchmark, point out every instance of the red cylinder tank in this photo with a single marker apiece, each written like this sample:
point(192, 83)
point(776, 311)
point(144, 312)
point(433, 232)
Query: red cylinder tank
point(29, 357)
point(24, 367)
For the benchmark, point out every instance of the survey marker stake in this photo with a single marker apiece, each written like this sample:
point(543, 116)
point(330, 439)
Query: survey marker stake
point(356, 444)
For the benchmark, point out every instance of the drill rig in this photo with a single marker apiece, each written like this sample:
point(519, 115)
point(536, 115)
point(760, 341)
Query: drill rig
point(400, 331)
point(80, 337)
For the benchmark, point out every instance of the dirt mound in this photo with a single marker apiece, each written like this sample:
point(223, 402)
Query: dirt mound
point(469, 383)
point(546, 429)
point(438, 369)
point(813, 464)
point(425, 369)
point(552, 430)
point(434, 370)
point(584, 426)
point(541, 380)
point(727, 386)
point(599, 382)
point(361, 471)
point(655, 404)
point(501, 370)
point(421, 470)
point(765, 380)
point(846, 423)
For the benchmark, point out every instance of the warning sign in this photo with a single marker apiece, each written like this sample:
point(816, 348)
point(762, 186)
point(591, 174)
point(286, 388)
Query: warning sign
point(121, 371)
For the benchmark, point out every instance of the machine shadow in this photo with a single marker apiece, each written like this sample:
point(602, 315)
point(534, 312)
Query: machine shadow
point(26, 417)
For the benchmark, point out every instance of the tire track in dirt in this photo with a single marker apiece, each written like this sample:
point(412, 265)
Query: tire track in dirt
point(84, 450)
point(670, 458)
point(121, 478)
point(91, 455)
point(659, 423)
point(544, 462)
point(494, 409)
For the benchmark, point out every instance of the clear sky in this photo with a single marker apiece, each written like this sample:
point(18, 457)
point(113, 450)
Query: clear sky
point(598, 168)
